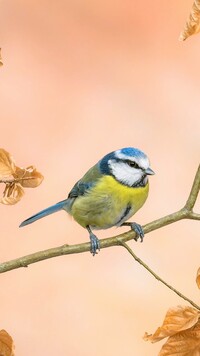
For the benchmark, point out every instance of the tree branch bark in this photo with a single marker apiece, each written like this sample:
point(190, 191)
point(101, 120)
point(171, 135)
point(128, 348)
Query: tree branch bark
point(185, 213)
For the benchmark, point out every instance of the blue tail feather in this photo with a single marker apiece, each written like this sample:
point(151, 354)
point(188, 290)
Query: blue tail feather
point(52, 209)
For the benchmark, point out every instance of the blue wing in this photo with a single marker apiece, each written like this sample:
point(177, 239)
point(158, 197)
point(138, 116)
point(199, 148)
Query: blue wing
point(79, 189)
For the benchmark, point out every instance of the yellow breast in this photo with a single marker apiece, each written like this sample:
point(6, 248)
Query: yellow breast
point(108, 203)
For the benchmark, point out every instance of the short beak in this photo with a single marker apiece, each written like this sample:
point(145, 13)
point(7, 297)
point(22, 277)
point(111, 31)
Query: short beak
point(149, 171)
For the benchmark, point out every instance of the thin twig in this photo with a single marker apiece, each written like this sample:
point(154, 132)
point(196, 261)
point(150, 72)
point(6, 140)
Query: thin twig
point(15, 180)
point(194, 191)
point(124, 244)
point(184, 213)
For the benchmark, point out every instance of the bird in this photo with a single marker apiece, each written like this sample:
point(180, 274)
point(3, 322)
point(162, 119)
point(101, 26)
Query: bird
point(109, 193)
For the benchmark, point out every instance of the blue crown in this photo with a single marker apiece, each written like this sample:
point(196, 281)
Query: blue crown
point(132, 152)
point(127, 151)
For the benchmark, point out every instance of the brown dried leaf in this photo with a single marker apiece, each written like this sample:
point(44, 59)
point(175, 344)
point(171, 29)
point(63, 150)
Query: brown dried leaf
point(177, 319)
point(192, 25)
point(198, 278)
point(185, 343)
point(28, 177)
point(16, 178)
point(12, 194)
point(7, 164)
point(6, 344)
point(1, 63)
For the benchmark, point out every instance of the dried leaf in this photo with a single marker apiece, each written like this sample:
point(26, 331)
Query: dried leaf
point(28, 177)
point(177, 319)
point(185, 343)
point(198, 278)
point(7, 164)
point(1, 63)
point(192, 25)
point(16, 178)
point(12, 194)
point(6, 344)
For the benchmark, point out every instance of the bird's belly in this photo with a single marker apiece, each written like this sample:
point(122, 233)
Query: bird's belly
point(108, 204)
point(113, 217)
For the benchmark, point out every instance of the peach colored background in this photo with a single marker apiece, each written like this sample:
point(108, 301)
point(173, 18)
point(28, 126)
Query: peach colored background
point(80, 79)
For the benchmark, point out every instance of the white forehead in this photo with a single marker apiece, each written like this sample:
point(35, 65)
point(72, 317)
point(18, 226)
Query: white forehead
point(141, 159)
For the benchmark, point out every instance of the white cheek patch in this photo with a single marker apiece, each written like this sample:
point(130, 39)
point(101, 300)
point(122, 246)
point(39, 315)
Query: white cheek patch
point(124, 173)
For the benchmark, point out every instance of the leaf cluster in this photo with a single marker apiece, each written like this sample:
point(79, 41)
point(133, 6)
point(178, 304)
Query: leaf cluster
point(181, 326)
point(16, 178)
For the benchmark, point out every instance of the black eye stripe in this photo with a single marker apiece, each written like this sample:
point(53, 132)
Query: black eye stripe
point(132, 164)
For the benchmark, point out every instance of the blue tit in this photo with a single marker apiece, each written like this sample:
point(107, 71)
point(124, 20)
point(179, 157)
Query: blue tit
point(108, 194)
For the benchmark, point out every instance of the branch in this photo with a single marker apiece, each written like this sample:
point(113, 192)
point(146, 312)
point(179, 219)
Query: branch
point(15, 180)
point(194, 191)
point(185, 213)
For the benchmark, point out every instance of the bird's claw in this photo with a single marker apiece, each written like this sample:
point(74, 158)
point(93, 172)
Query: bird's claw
point(138, 230)
point(95, 244)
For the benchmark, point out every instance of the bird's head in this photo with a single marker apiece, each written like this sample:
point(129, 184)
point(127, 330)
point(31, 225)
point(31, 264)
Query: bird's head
point(129, 166)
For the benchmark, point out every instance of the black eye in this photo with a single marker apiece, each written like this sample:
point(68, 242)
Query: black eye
point(133, 164)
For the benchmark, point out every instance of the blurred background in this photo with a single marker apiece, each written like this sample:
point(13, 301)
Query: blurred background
point(80, 79)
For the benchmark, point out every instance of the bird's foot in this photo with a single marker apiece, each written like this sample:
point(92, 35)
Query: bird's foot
point(95, 243)
point(137, 228)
